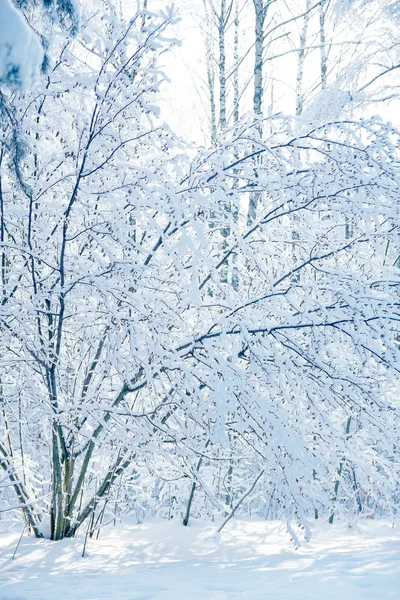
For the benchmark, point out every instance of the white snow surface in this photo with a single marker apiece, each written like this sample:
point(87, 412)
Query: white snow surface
point(21, 53)
point(252, 560)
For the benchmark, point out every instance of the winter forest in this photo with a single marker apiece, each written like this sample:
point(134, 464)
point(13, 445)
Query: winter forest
point(200, 270)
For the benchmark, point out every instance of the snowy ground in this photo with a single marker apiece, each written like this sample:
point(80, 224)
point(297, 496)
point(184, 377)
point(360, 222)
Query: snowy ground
point(165, 561)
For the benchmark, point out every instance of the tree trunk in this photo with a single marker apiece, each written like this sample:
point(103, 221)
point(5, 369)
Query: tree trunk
point(336, 488)
point(260, 11)
point(322, 39)
point(236, 93)
point(222, 65)
point(208, 41)
point(300, 62)
point(260, 14)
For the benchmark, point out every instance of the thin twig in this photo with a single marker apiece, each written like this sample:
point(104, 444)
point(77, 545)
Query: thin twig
point(240, 501)
point(19, 541)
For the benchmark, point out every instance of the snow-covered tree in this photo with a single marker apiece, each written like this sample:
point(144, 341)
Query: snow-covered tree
point(21, 53)
point(126, 360)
